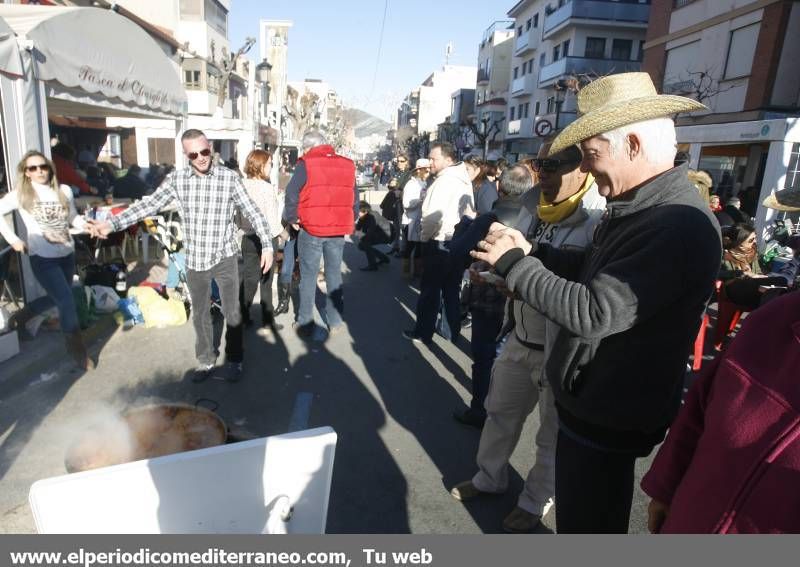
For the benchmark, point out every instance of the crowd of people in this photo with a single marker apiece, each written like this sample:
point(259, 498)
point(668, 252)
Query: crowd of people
point(584, 274)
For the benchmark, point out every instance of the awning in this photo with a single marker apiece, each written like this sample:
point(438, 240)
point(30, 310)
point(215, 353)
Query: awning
point(10, 62)
point(87, 55)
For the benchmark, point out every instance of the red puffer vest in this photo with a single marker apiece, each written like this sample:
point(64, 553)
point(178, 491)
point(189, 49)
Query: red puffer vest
point(327, 200)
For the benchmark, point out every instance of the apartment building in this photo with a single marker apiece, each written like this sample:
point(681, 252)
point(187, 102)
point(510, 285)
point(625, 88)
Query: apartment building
point(428, 105)
point(559, 44)
point(201, 28)
point(494, 76)
point(739, 58)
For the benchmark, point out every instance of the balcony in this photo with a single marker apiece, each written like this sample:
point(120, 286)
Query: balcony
point(526, 42)
point(523, 86)
point(483, 77)
point(522, 128)
point(611, 13)
point(569, 66)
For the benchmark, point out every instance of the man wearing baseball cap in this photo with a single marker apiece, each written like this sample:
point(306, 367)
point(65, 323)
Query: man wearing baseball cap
point(629, 306)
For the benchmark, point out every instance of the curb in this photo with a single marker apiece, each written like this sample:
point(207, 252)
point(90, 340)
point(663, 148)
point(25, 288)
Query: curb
point(38, 358)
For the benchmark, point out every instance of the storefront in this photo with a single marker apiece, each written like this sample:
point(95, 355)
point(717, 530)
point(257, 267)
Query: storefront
point(740, 155)
point(82, 64)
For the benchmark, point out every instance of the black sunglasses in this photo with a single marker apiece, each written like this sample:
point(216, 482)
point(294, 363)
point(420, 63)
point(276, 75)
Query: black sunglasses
point(193, 155)
point(39, 166)
point(550, 165)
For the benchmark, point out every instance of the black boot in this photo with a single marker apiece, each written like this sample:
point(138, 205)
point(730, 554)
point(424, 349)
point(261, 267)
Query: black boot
point(283, 299)
point(268, 320)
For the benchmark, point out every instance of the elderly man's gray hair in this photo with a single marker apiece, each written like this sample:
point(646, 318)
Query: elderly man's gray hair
point(658, 137)
point(515, 181)
point(312, 139)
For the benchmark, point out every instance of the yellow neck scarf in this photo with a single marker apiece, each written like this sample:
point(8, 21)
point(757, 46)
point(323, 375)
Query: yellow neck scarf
point(556, 212)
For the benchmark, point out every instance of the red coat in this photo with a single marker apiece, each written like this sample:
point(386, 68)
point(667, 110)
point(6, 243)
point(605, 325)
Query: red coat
point(326, 200)
point(731, 461)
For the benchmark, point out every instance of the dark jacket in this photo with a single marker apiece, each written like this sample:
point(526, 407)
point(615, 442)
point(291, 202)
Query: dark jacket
point(376, 229)
point(629, 307)
point(485, 196)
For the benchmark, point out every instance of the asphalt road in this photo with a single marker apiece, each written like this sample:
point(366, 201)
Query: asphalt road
point(390, 401)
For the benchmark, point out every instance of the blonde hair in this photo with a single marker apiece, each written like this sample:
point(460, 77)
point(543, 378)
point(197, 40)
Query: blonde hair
point(27, 194)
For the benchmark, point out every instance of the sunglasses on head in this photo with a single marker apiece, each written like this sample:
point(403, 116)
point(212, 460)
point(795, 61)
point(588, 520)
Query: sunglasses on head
point(193, 155)
point(550, 165)
point(39, 166)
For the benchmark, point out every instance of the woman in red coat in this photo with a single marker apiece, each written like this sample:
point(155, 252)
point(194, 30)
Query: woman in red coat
point(731, 461)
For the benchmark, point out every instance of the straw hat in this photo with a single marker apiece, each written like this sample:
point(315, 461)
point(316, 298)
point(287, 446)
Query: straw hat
point(787, 200)
point(422, 162)
point(618, 100)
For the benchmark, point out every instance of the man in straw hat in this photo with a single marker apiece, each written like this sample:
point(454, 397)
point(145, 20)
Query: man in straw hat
point(629, 307)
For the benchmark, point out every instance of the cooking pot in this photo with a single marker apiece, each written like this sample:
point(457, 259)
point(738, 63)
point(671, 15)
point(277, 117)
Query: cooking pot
point(144, 433)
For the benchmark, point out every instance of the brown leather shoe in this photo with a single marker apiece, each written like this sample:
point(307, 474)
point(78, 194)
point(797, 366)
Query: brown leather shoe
point(521, 521)
point(466, 491)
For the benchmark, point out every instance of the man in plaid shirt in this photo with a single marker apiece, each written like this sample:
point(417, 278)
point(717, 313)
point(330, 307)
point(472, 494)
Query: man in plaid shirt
point(207, 197)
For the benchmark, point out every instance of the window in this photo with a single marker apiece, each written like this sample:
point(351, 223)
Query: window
point(793, 172)
point(530, 66)
point(551, 105)
point(191, 8)
point(595, 47)
point(516, 72)
point(524, 68)
point(536, 108)
point(519, 31)
point(217, 16)
point(565, 48)
point(519, 111)
point(528, 24)
point(556, 52)
point(511, 116)
point(621, 49)
point(741, 49)
point(640, 57)
point(541, 60)
point(192, 74)
point(527, 107)
point(536, 20)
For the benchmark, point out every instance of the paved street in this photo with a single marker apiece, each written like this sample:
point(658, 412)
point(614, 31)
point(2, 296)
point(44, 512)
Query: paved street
point(390, 402)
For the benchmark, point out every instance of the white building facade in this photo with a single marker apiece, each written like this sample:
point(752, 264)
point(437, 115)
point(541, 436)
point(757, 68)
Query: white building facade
point(494, 75)
point(559, 44)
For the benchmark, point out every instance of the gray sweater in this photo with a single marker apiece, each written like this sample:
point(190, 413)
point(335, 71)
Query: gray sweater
point(629, 308)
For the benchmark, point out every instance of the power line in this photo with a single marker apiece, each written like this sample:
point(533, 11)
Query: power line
point(380, 45)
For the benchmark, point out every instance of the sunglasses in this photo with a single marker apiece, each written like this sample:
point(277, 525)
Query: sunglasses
point(550, 165)
point(39, 166)
point(193, 155)
point(402, 161)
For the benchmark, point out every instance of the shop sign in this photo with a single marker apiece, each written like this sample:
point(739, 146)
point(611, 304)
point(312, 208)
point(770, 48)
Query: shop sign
point(762, 133)
point(124, 88)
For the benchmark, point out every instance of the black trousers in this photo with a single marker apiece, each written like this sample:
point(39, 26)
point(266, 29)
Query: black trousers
point(367, 245)
point(594, 488)
point(251, 276)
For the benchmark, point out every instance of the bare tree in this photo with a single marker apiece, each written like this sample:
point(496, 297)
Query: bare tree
point(302, 110)
point(699, 85)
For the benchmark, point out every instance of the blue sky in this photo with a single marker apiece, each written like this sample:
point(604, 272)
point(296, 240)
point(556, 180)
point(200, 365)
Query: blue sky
point(337, 41)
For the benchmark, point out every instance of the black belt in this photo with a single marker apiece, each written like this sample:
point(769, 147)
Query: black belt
point(532, 346)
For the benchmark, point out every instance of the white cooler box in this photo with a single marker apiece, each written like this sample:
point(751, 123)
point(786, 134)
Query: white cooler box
point(277, 484)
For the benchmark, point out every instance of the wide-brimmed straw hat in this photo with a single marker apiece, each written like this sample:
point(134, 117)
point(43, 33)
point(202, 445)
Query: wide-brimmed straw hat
point(618, 100)
point(787, 200)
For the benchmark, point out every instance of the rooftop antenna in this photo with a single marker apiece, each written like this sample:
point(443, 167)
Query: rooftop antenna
point(448, 51)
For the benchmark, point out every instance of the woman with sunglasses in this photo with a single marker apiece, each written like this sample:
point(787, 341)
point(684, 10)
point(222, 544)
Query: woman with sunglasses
point(48, 211)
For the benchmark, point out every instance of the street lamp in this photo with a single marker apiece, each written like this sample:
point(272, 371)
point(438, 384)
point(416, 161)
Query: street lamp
point(263, 72)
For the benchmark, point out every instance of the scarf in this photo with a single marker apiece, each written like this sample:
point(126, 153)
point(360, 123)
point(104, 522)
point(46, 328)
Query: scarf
point(741, 260)
point(556, 212)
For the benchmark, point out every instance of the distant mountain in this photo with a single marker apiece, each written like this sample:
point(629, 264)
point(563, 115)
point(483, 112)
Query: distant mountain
point(365, 124)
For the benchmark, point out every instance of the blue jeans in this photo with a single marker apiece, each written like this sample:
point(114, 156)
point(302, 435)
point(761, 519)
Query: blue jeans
point(310, 249)
point(287, 269)
point(55, 276)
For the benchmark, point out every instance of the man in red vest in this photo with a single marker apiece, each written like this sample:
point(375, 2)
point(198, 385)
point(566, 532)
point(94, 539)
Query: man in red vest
point(322, 203)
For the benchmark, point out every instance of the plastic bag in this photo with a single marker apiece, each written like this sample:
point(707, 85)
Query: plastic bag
point(105, 299)
point(157, 311)
point(84, 306)
point(130, 310)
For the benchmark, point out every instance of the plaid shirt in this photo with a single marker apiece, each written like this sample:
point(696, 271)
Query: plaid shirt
point(206, 204)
